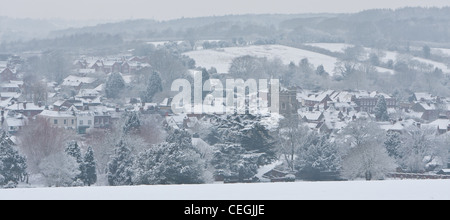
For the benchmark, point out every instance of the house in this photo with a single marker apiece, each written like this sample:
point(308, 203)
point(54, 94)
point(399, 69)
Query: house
point(442, 125)
point(311, 117)
point(85, 121)
point(430, 111)
point(79, 64)
point(61, 119)
point(132, 67)
point(6, 74)
point(14, 123)
point(96, 65)
point(11, 87)
point(112, 66)
point(312, 100)
point(423, 97)
point(88, 93)
point(10, 95)
point(76, 82)
point(27, 109)
point(139, 59)
point(444, 172)
point(62, 105)
point(367, 103)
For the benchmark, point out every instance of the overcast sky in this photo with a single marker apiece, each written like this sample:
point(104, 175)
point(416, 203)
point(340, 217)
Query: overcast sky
point(170, 9)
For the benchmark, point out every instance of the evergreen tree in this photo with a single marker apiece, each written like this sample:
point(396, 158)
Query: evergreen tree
point(175, 161)
point(380, 110)
point(132, 122)
point(73, 150)
point(114, 85)
point(257, 139)
point(393, 143)
point(154, 85)
point(12, 165)
point(89, 168)
point(233, 161)
point(321, 71)
point(120, 166)
point(320, 158)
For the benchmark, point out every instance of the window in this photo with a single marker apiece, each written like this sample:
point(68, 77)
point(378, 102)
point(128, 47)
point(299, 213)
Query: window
point(55, 122)
point(283, 106)
point(89, 122)
point(65, 121)
point(73, 121)
point(81, 122)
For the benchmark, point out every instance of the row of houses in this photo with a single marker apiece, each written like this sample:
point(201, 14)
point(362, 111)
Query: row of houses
point(331, 110)
point(112, 65)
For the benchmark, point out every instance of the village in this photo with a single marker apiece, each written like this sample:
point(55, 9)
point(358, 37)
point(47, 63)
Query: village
point(324, 111)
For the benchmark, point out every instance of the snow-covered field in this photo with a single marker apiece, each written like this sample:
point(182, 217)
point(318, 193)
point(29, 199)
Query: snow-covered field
point(377, 190)
point(445, 51)
point(221, 58)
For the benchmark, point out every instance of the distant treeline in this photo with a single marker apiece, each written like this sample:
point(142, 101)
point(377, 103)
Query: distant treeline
point(76, 41)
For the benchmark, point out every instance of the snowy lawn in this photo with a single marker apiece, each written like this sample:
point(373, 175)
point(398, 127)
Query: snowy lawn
point(391, 189)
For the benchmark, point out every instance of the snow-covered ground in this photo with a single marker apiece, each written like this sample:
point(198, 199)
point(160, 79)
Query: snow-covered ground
point(221, 58)
point(390, 189)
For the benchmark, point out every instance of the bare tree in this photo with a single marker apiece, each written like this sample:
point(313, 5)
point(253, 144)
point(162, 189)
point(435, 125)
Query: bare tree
point(39, 140)
point(293, 137)
point(422, 150)
point(365, 157)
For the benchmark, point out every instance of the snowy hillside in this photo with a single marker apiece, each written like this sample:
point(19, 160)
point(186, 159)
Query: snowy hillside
point(392, 189)
point(222, 58)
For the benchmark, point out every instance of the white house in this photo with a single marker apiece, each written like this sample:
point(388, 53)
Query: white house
point(85, 121)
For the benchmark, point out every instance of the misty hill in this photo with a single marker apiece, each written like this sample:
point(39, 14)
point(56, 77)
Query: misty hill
point(378, 28)
point(25, 29)
point(383, 28)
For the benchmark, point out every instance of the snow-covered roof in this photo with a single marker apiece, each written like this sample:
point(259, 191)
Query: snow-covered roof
point(88, 92)
point(442, 124)
point(424, 96)
point(92, 64)
point(76, 80)
point(29, 106)
point(5, 103)
point(99, 88)
point(109, 63)
point(165, 102)
point(59, 102)
point(428, 106)
point(10, 95)
point(9, 85)
point(56, 114)
point(311, 116)
point(342, 97)
point(15, 122)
